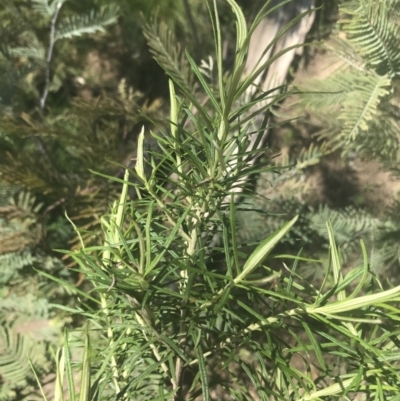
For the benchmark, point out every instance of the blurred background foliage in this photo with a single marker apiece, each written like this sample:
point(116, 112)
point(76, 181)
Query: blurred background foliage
point(77, 107)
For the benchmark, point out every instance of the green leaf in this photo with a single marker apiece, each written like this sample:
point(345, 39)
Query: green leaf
point(46, 9)
point(71, 287)
point(262, 251)
point(168, 242)
point(139, 168)
point(204, 84)
point(392, 295)
point(38, 381)
point(84, 394)
point(241, 26)
point(68, 368)
point(315, 345)
point(361, 105)
point(335, 260)
point(203, 374)
point(119, 219)
point(60, 368)
point(93, 22)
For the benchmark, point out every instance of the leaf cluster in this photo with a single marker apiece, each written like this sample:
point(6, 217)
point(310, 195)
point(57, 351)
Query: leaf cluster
point(175, 314)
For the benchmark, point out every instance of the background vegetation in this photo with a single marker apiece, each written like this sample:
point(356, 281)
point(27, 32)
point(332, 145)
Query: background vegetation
point(78, 81)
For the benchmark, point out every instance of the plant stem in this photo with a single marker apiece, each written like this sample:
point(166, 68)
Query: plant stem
point(110, 335)
point(49, 56)
point(43, 98)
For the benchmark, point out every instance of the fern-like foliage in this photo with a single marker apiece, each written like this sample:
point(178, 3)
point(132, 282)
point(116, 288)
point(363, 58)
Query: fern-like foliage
point(163, 46)
point(374, 33)
point(292, 172)
point(19, 229)
point(358, 107)
point(12, 262)
point(350, 224)
point(25, 331)
point(47, 7)
point(380, 234)
point(358, 93)
point(93, 22)
point(26, 323)
point(361, 105)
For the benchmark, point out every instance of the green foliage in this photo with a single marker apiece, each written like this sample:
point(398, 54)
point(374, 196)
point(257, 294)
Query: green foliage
point(381, 235)
point(48, 141)
point(59, 118)
point(212, 322)
point(174, 315)
point(374, 32)
point(86, 24)
point(49, 151)
point(28, 326)
point(12, 262)
point(358, 95)
point(37, 150)
point(356, 109)
point(15, 374)
point(162, 45)
point(178, 307)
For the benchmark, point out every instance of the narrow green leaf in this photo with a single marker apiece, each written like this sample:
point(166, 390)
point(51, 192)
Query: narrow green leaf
point(331, 390)
point(348, 279)
point(175, 347)
point(142, 248)
point(392, 295)
point(252, 312)
point(121, 239)
point(122, 203)
point(149, 221)
point(292, 273)
point(38, 381)
point(228, 257)
point(71, 287)
point(139, 168)
point(174, 109)
point(197, 337)
point(60, 367)
point(203, 374)
point(232, 219)
point(84, 394)
point(222, 299)
point(204, 84)
point(315, 345)
point(259, 70)
point(155, 366)
point(364, 274)
point(168, 241)
point(336, 265)
point(218, 50)
point(250, 372)
point(262, 251)
point(241, 26)
point(68, 368)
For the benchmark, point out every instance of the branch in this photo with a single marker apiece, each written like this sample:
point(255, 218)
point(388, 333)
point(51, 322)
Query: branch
point(49, 56)
point(42, 101)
